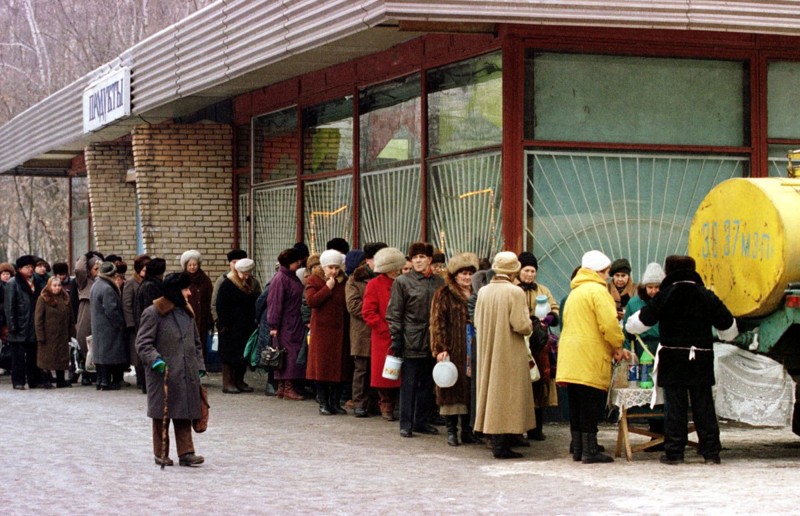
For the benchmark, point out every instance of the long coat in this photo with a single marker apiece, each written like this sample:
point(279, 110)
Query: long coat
point(201, 289)
point(545, 393)
point(449, 318)
point(409, 312)
point(236, 312)
point(54, 328)
point(591, 333)
point(84, 283)
point(170, 333)
point(329, 350)
point(354, 293)
point(373, 310)
point(284, 301)
point(128, 302)
point(109, 340)
point(20, 306)
point(504, 396)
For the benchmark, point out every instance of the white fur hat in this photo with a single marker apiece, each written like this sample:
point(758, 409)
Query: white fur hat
point(331, 257)
point(389, 259)
point(191, 254)
point(245, 265)
point(653, 274)
point(596, 261)
point(506, 262)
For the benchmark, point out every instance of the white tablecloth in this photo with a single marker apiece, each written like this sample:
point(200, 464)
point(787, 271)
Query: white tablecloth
point(634, 397)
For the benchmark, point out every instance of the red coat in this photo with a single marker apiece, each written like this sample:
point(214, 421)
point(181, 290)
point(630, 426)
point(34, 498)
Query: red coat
point(376, 299)
point(329, 357)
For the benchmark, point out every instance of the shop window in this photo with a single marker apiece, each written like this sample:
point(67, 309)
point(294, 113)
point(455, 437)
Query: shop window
point(328, 136)
point(80, 221)
point(327, 211)
point(244, 211)
point(783, 121)
point(465, 204)
point(390, 125)
point(465, 105)
point(597, 98)
point(638, 207)
point(275, 145)
point(274, 226)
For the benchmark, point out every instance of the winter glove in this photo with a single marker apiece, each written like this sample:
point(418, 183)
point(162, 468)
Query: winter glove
point(396, 349)
point(159, 365)
point(201, 373)
point(550, 319)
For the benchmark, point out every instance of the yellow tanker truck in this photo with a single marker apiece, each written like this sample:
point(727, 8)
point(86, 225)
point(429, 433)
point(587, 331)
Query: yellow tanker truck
point(745, 238)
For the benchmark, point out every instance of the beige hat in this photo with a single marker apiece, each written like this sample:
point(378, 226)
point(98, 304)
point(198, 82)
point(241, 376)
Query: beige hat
point(191, 254)
point(331, 257)
point(389, 259)
point(462, 261)
point(506, 262)
point(245, 265)
point(653, 274)
point(596, 261)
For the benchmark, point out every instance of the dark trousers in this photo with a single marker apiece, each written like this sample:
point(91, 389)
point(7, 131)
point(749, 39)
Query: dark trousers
point(23, 364)
point(183, 436)
point(676, 405)
point(583, 407)
point(361, 382)
point(416, 392)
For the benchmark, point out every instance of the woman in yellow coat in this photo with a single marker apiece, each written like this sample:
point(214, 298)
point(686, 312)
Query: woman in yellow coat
point(590, 338)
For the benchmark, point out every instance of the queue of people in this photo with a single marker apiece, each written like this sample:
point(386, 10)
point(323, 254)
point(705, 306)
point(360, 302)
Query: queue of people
point(337, 329)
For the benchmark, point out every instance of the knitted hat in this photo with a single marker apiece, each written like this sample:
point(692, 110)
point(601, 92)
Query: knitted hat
point(155, 267)
point(528, 259)
point(506, 262)
point(653, 274)
point(389, 259)
point(236, 254)
point(24, 260)
point(462, 261)
point(596, 261)
point(620, 265)
point(420, 248)
point(677, 262)
point(191, 254)
point(353, 260)
point(289, 256)
point(371, 248)
point(58, 268)
point(93, 260)
point(245, 265)
point(331, 257)
point(107, 269)
point(339, 244)
point(7, 267)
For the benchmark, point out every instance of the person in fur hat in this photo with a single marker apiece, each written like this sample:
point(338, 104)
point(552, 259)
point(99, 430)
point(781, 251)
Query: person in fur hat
point(202, 290)
point(233, 256)
point(168, 337)
point(86, 269)
point(621, 286)
point(20, 306)
point(449, 318)
point(408, 315)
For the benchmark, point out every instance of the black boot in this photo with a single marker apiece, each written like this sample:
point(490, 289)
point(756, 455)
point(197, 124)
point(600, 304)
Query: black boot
point(576, 446)
point(591, 455)
point(324, 399)
point(335, 399)
point(536, 434)
point(467, 436)
point(501, 449)
point(452, 430)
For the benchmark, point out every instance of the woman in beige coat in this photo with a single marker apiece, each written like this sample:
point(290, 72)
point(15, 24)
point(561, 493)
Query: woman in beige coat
point(504, 396)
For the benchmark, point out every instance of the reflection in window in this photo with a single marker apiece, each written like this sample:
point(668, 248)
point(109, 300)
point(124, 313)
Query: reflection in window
point(328, 136)
point(782, 100)
point(275, 144)
point(390, 124)
point(465, 108)
point(327, 211)
point(81, 230)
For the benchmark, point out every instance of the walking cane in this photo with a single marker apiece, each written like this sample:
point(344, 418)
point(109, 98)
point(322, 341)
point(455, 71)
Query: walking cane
point(165, 420)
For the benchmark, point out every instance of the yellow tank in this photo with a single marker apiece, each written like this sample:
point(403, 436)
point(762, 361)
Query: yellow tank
point(745, 238)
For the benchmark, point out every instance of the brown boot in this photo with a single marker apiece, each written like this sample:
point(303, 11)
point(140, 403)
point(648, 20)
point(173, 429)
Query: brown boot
point(281, 389)
point(289, 393)
point(228, 384)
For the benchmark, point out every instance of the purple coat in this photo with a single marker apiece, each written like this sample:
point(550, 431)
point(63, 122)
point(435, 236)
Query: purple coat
point(283, 314)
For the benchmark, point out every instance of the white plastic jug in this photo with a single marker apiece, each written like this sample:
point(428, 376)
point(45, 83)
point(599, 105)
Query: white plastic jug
point(391, 367)
point(445, 374)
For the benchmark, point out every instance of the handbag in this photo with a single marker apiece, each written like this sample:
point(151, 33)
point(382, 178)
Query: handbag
point(273, 358)
point(201, 425)
point(535, 375)
point(250, 349)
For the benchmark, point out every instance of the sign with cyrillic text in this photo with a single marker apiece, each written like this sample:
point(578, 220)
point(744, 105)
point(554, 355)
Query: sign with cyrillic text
point(107, 99)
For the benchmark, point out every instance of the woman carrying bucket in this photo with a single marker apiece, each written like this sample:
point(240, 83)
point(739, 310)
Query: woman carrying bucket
point(389, 261)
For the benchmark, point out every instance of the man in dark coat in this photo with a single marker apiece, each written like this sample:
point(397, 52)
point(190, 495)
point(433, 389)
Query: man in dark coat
point(109, 342)
point(129, 311)
point(168, 337)
point(20, 307)
point(685, 311)
point(408, 315)
point(150, 288)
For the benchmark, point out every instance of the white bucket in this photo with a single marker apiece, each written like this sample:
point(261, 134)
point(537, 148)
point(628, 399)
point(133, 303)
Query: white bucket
point(391, 367)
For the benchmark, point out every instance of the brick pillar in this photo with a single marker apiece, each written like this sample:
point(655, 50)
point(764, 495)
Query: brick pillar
point(113, 200)
point(184, 179)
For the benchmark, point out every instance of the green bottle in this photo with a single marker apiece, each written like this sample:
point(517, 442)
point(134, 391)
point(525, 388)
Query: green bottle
point(646, 364)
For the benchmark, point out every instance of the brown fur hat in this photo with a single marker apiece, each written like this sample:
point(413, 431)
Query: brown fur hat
point(462, 261)
point(677, 262)
point(420, 248)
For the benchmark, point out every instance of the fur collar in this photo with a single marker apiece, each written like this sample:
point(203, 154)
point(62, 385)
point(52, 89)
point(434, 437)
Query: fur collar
point(53, 300)
point(340, 278)
point(164, 306)
point(453, 287)
point(246, 287)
